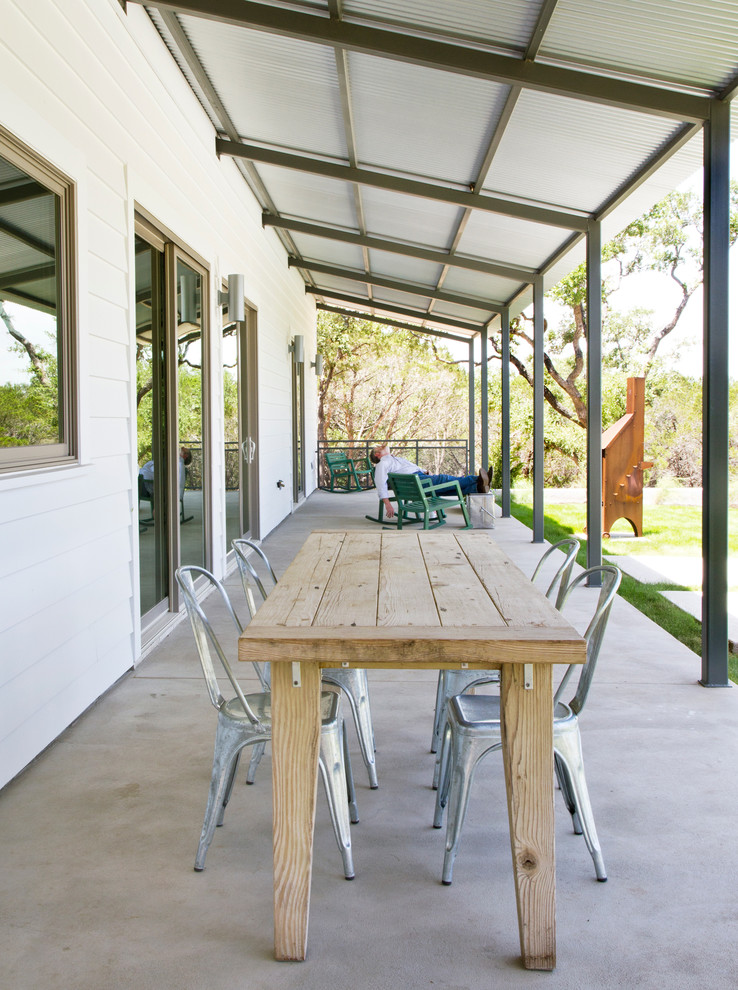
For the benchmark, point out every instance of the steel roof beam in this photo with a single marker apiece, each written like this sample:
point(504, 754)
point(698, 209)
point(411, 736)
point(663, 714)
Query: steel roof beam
point(393, 323)
point(398, 247)
point(419, 314)
point(369, 278)
point(481, 64)
point(402, 184)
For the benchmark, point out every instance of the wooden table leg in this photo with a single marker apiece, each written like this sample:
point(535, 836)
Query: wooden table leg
point(527, 747)
point(295, 747)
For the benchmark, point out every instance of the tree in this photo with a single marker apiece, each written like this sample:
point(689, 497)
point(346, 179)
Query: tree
point(385, 383)
point(668, 240)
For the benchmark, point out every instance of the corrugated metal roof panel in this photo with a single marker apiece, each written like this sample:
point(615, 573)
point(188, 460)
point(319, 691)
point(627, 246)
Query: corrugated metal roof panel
point(329, 252)
point(455, 312)
point(419, 121)
point(346, 286)
point(409, 218)
point(572, 154)
point(510, 241)
point(394, 298)
point(480, 286)
point(687, 41)
point(329, 200)
point(504, 23)
point(277, 90)
point(408, 269)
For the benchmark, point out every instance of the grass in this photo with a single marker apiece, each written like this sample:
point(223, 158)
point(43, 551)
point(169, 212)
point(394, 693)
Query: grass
point(669, 530)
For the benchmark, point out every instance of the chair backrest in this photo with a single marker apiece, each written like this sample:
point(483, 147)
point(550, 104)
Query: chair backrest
point(143, 495)
point(610, 577)
point(569, 547)
point(407, 487)
point(243, 549)
point(205, 638)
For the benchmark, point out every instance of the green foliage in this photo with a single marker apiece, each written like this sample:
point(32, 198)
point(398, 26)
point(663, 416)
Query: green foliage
point(28, 414)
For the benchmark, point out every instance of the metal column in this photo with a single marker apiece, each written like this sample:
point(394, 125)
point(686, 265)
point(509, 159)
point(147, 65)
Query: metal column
point(594, 396)
point(715, 399)
point(538, 410)
point(472, 411)
point(505, 412)
point(484, 389)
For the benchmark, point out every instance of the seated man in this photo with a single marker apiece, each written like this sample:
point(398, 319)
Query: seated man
point(387, 462)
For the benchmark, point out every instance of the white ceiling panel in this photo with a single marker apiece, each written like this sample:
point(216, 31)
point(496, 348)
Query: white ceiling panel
point(455, 312)
point(406, 299)
point(572, 154)
point(419, 121)
point(687, 41)
point(346, 286)
point(277, 90)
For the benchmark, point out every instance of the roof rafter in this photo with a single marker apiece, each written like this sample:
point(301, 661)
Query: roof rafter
point(392, 323)
point(402, 184)
point(465, 60)
point(398, 247)
point(419, 314)
point(369, 278)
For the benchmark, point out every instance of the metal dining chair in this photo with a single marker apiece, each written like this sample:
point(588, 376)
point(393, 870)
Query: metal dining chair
point(246, 720)
point(473, 730)
point(453, 682)
point(353, 682)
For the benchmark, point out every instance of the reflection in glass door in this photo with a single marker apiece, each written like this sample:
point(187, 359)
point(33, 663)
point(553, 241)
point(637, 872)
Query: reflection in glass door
point(190, 382)
point(239, 414)
point(152, 426)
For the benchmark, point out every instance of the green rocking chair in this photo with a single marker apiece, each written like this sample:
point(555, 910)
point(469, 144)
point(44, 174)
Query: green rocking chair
point(417, 497)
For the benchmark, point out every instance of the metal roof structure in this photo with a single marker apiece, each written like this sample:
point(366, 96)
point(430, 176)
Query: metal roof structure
point(428, 159)
point(439, 163)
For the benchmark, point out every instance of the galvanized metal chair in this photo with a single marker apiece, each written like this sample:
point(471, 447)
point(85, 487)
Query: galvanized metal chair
point(453, 682)
point(246, 720)
point(353, 682)
point(473, 730)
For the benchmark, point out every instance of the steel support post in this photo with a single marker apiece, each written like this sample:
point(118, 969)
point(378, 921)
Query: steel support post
point(538, 410)
point(472, 411)
point(715, 398)
point(484, 389)
point(594, 397)
point(505, 411)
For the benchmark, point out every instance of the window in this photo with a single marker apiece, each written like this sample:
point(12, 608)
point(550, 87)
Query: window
point(37, 311)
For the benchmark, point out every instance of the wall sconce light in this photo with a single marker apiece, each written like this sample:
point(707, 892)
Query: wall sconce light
point(298, 348)
point(318, 365)
point(234, 299)
point(188, 297)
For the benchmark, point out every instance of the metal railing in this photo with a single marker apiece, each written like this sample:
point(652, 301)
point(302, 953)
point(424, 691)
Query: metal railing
point(434, 455)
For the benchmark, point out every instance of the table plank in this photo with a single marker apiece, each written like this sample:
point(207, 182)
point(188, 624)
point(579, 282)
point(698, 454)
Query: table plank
point(515, 597)
point(350, 597)
point(405, 595)
point(297, 595)
point(460, 598)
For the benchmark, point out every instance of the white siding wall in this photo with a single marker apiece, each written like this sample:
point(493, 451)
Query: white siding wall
point(96, 93)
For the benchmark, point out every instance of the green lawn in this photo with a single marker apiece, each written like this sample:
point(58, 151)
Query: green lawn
point(669, 530)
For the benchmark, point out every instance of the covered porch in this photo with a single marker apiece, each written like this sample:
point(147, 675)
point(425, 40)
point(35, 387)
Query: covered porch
point(100, 834)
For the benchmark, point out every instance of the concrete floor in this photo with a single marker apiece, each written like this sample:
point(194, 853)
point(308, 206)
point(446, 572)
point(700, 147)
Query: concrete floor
point(99, 837)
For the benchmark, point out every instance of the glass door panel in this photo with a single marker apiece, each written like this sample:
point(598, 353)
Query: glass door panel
point(190, 404)
point(232, 432)
point(151, 423)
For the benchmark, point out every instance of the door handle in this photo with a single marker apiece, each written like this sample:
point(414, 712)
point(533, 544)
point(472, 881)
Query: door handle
point(248, 450)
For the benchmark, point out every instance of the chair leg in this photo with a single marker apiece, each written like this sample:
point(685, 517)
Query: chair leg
point(439, 712)
point(568, 747)
point(350, 788)
point(229, 742)
point(467, 753)
point(444, 767)
point(333, 772)
point(562, 778)
point(256, 755)
point(228, 790)
point(354, 684)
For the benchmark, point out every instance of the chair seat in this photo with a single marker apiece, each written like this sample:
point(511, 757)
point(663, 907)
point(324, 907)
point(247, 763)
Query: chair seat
point(261, 705)
point(480, 711)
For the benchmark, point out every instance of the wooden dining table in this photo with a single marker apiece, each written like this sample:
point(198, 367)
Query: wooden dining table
point(412, 600)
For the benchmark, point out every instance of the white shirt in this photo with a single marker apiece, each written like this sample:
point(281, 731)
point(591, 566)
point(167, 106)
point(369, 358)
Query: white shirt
point(396, 465)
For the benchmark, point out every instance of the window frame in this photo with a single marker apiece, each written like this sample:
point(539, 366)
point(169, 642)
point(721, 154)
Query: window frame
point(35, 456)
